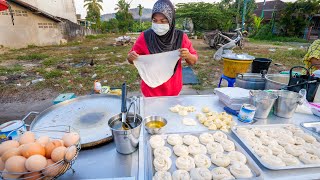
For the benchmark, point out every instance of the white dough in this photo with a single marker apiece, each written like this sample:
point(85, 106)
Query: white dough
point(200, 174)
point(262, 150)
point(185, 163)
point(307, 137)
point(195, 149)
point(285, 139)
point(309, 158)
point(221, 173)
point(288, 159)
point(156, 141)
point(276, 149)
point(174, 139)
point(189, 122)
point(162, 151)
point(190, 139)
point(183, 113)
point(220, 159)
point(205, 138)
point(205, 109)
point(227, 145)
point(213, 147)
point(162, 175)
point(240, 170)
point(162, 163)
point(266, 140)
point(259, 132)
point(272, 160)
point(180, 175)
point(237, 157)
point(201, 160)
point(219, 136)
point(294, 150)
point(180, 150)
point(253, 141)
point(298, 140)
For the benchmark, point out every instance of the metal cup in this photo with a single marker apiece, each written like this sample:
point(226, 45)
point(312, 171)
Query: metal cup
point(126, 141)
point(264, 102)
point(287, 103)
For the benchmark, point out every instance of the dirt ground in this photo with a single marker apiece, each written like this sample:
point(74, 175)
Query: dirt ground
point(67, 69)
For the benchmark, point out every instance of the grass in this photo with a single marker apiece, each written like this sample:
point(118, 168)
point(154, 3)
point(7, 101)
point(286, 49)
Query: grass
point(280, 39)
point(52, 61)
point(5, 71)
point(34, 56)
point(97, 36)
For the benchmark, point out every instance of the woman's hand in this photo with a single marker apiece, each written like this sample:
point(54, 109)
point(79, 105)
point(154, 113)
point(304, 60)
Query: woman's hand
point(187, 56)
point(132, 56)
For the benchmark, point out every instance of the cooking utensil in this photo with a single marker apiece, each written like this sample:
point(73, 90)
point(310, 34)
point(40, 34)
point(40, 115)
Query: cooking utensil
point(124, 109)
point(155, 130)
point(126, 140)
point(277, 81)
point(264, 102)
point(287, 103)
point(254, 81)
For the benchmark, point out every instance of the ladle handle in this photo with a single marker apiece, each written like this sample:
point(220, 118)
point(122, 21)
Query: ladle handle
point(124, 98)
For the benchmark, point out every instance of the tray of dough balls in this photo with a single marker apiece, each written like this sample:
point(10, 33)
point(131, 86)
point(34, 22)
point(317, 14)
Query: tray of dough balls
point(280, 146)
point(201, 155)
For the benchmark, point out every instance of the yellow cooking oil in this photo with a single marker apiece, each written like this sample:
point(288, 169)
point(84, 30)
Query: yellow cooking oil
point(155, 124)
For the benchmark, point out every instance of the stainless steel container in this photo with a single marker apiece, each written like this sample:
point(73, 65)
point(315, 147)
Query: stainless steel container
point(251, 81)
point(154, 118)
point(287, 103)
point(264, 102)
point(277, 81)
point(126, 141)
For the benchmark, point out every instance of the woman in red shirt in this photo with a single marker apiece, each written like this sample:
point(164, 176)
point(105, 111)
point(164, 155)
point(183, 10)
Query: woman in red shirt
point(164, 37)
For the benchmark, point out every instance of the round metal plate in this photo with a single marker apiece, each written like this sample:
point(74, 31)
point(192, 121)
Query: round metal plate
point(88, 115)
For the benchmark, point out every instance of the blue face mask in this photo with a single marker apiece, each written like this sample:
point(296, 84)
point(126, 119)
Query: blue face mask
point(160, 29)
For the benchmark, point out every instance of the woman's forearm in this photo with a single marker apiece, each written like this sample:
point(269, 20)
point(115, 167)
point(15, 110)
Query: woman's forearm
point(192, 59)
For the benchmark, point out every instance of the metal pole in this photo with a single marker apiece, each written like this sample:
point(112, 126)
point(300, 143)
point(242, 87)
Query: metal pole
point(244, 13)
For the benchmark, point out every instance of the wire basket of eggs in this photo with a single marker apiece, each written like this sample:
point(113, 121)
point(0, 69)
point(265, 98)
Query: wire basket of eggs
point(44, 153)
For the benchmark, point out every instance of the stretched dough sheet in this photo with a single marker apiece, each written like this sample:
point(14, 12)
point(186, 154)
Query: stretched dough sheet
point(156, 69)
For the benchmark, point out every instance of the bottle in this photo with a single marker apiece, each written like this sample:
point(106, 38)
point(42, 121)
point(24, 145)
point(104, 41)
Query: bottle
point(97, 87)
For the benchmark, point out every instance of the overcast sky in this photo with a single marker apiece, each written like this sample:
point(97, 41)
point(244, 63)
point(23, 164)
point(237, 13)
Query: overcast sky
point(109, 5)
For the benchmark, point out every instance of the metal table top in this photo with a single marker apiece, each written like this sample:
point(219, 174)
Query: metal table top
point(160, 106)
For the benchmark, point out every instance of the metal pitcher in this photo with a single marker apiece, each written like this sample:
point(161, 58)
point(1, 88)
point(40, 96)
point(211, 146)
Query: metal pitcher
point(264, 102)
point(287, 103)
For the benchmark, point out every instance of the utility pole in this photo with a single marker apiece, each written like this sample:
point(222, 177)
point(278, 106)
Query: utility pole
point(244, 14)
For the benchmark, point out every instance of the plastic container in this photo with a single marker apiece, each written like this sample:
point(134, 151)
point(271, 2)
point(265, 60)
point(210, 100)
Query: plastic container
point(260, 64)
point(234, 64)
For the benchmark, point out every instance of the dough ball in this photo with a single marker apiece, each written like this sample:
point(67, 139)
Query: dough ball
point(156, 141)
point(162, 163)
point(174, 109)
point(289, 159)
point(201, 160)
point(199, 115)
point(213, 127)
point(183, 113)
point(276, 149)
point(205, 109)
point(259, 132)
point(162, 175)
point(195, 149)
point(272, 160)
point(185, 163)
point(189, 122)
point(237, 157)
point(227, 145)
point(221, 173)
point(274, 133)
point(162, 151)
point(299, 140)
point(208, 123)
point(294, 150)
point(190, 139)
point(262, 150)
point(200, 174)
point(309, 148)
point(220, 159)
point(191, 109)
point(180, 150)
point(180, 175)
point(309, 158)
point(285, 139)
point(205, 138)
point(174, 139)
point(240, 170)
point(202, 120)
point(253, 141)
point(214, 147)
point(266, 140)
point(307, 137)
point(219, 136)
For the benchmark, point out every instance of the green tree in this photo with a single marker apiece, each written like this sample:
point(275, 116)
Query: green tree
point(124, 17)
point(93, 11)
point(257, 23)
point(112, 26)
point(140, 7)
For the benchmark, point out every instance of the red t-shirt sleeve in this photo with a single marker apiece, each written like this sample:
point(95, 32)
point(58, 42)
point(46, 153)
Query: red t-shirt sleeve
point(140, 46)
point(186, 43)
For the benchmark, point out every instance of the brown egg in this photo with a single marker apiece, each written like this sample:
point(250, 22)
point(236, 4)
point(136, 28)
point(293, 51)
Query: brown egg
point(58, 153)
point(8, 145)
point(9, 153)
point(36, 163)
point(71, 153)
point(27, 137)
point(1, 165)
point(52, 169)
point(51, 146)
point(32, 149)
point(16, 164)
point(70, 139)
point(32, 176)
point(43, 140)
point(5, 175)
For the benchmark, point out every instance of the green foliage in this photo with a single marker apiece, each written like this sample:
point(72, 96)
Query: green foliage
point(93, 12)
point(10, 70)
point(257, 23)
point(33, 57)
point(124, 17)
point(112, 26)
point(137, 27)
point(51, 61)
point(53, 74)
point(96, 36)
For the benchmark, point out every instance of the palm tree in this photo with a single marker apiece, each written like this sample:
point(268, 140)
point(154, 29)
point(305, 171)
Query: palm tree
point(94, 7)
point(140, 14)
point(122, 6)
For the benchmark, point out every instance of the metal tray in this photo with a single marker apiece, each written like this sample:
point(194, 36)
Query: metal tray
point(313, 127)
point(256, 171)
point(301, 166)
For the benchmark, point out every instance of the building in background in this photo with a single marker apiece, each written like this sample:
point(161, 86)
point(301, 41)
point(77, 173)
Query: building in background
point(268, 8)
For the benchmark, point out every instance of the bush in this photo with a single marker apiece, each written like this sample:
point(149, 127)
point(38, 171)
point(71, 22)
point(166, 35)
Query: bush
point(33, 57)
